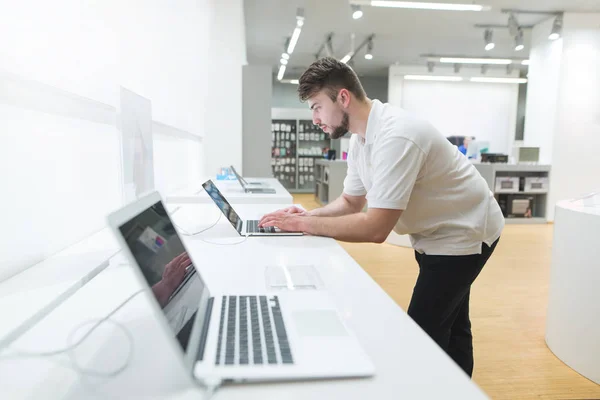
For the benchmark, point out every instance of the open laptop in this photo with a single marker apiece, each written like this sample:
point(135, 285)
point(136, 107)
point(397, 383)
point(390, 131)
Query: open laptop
point(291, 335)
point(252, 187)
point(244, 228)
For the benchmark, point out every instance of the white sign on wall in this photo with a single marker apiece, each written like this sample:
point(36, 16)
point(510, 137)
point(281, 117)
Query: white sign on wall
point(137, 149)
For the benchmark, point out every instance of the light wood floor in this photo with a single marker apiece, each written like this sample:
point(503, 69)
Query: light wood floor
point(508, 312)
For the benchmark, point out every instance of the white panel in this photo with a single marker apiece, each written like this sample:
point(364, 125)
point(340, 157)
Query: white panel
point(486, 111)
point(69, 44)
point(61, 176)
point(542, 91)
point(177, 163)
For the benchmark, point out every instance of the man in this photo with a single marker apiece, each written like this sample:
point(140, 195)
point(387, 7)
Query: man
point(414, 182)
point(463, 147)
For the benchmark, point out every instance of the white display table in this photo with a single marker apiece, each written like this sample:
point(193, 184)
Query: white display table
point(573, 321)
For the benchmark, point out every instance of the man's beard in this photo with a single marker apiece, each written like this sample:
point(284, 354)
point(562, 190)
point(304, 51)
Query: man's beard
point(341, 130)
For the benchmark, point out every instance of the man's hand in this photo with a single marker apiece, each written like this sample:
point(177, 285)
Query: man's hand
point(293, 210)
point(175, 271)
point(284, 221)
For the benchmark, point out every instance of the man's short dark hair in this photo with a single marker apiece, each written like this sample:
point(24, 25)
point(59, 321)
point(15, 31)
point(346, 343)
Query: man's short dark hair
point(330, 75)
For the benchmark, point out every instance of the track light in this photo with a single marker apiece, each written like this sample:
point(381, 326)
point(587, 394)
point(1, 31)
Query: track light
point(513, 25)
point(356, 11)
point(556, 28)
point(347, 57)
point(369, 53)
point(488, 37)
point(519, 41)
point(285, 56)
point(430, 66)
point(283, 61)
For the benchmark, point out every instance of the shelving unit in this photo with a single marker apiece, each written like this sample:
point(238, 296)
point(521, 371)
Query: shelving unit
point(283, 152)
point(537, 199)
point(295, 146)
point(329, 178)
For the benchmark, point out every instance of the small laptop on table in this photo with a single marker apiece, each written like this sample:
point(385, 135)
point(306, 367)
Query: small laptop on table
point(244, 228)
point(252, 187)
point(292, 335)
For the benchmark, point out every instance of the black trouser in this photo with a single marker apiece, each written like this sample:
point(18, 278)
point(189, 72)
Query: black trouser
point(440, 301)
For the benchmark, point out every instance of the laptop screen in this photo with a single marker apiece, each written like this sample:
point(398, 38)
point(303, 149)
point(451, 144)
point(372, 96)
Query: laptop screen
point(223, 204)
point(166, 266)
point(239, 177)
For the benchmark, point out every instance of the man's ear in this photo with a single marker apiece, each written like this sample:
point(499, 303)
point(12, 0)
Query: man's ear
point(344, 97)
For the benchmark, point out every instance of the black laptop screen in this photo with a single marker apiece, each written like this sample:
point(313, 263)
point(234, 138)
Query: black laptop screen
point(223, 204)
point(166, 266)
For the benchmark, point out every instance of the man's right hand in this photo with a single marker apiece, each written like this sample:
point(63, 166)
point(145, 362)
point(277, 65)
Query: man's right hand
point(289, 210)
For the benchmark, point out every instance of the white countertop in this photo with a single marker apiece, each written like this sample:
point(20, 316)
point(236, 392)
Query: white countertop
point(408, 363)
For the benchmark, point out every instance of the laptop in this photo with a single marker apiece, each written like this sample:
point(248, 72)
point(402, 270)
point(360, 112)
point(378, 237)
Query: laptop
point(290, 335)
point(244, 228)
point(252, 187)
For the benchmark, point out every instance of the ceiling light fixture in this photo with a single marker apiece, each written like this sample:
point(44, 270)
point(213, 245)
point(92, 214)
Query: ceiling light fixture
point(356, 11)
point(459, 60)
point(425, 6)
point(556, 28)
point(519, 41)
point(488, 37)
point(499, 80)
point(369, 53)
point(283, 61)
point(347, 57)
point(433, 78)
point(525, 62)
point(297, 30)
point(285, 56)
point(281, 72)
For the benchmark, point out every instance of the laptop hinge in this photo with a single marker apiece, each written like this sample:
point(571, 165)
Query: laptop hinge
point(204, 333)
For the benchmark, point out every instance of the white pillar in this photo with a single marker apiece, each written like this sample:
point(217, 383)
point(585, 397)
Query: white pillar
point(563, 106)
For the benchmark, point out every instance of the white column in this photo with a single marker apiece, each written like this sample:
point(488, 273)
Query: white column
point(563, 106)
point(223, 85)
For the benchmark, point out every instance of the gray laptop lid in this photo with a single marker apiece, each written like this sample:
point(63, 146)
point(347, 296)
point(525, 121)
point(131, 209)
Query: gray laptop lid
point(216, 195)
point(240, 179)
point(165, 264)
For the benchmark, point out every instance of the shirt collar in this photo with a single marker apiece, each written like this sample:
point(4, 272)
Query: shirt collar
point(373, 122)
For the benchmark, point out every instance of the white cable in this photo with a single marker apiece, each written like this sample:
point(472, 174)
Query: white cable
point(186, 233)
point(225, 244)
point(25, 354)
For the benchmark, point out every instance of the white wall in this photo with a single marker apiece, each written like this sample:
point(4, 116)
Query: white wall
point(542, 90)
point(59, 92)
point(487, 111)
point(226, 55)
point(575, 161)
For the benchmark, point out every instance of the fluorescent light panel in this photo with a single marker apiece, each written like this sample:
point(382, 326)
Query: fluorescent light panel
point(294, 40)
point(429, 6)
point(525, 62)
point(433, 78)
point(453, 60)
point(499, 80)
point(281, 72)
point(346, 58)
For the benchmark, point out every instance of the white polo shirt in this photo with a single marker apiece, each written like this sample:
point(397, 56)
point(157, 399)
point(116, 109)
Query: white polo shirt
point(406, 164)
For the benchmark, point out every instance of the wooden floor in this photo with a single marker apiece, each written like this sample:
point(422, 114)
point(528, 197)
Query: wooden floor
point(508, 312)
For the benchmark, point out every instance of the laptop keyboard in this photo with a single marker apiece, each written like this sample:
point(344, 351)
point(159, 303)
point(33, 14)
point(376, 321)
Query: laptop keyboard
point(252, 227)
point(252, 332)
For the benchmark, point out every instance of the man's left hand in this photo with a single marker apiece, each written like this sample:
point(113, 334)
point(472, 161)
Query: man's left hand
point(285, 222)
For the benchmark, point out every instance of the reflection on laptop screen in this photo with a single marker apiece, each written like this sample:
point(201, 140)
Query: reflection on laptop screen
point(166, 266)
point(240, 179)
point(223, 204)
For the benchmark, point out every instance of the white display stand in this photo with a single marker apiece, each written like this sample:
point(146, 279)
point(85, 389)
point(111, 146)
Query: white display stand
point(573, 320)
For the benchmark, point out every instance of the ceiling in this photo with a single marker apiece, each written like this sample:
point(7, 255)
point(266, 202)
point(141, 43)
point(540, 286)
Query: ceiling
point(401, 35)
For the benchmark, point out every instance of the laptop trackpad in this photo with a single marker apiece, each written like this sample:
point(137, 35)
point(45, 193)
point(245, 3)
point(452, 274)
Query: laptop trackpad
point(318, 323)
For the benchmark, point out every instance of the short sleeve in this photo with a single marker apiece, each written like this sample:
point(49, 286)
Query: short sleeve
point(396, 163)
point(353, 185)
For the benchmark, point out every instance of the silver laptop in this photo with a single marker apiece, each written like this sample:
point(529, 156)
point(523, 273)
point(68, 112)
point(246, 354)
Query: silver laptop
point(252, 187)
point(291, 335)
point(244, 228)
